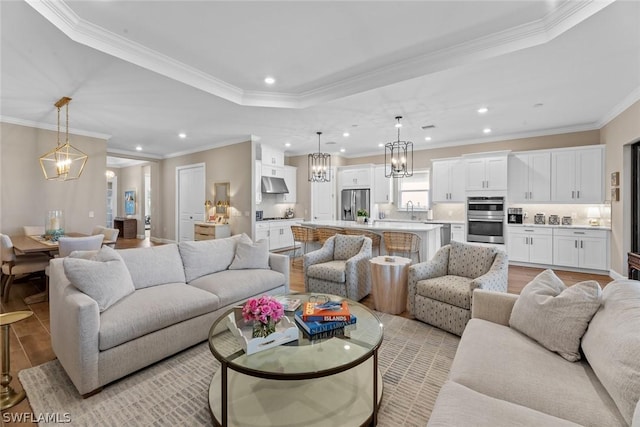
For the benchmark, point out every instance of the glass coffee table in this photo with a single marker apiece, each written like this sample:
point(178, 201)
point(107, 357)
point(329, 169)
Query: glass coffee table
point(329, 381)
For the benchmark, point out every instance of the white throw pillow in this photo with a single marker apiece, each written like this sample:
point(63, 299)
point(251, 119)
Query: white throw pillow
point(105, 277)
point(251, 255)
point(555, 315)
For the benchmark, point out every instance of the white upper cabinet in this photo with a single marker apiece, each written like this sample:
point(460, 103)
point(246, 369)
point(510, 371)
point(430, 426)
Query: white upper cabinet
point(290, 177)
point(271, 156)
point(382, 186)
point(447, 182)
point(530, 177)
point(275, 171)
point(356, 178)
point(577, 175)
point(486, 173)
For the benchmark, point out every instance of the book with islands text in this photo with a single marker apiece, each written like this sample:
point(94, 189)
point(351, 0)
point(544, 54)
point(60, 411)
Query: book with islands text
point(328, 312)
point(316, 327)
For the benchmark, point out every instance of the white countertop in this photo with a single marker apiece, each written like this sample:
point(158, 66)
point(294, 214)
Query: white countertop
point(421, 221)
point(586, 227)
point(378, 226)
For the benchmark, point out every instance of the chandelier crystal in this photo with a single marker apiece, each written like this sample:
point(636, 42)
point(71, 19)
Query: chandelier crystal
point(65, 162)
point(398, 156)
point(319, 165)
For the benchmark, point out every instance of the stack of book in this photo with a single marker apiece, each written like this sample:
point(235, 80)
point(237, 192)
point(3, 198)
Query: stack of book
point(321, 318)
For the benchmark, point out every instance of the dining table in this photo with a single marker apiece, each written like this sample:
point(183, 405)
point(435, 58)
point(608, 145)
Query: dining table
point(23, 245)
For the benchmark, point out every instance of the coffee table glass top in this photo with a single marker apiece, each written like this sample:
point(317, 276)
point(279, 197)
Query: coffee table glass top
point(307, 357)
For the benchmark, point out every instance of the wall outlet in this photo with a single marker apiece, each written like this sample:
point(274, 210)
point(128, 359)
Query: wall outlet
point(91, 214)
point(574, 215)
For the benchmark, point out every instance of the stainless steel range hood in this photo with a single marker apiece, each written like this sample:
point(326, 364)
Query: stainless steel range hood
point(274, 185)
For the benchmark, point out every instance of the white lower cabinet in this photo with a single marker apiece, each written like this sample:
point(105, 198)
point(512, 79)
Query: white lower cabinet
point(278, 233)
point(262, 232)
point(533, 245)
point(458, 233)
point(581, 248)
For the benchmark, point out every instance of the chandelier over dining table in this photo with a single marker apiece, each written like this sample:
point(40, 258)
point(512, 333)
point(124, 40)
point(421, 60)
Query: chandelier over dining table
point(64, 162)
point(398, 156)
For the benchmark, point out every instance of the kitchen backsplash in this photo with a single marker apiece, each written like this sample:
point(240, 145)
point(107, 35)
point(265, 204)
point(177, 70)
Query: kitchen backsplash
point(271, 208)
point(579, 213)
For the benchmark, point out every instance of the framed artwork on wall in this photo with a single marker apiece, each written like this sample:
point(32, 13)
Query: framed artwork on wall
point(129, 202)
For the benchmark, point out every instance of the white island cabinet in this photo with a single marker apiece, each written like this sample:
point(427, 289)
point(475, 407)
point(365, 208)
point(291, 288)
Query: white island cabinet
point(429, 233)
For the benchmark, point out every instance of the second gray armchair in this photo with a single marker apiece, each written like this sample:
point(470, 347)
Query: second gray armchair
point(340, 267)
point(441, 290)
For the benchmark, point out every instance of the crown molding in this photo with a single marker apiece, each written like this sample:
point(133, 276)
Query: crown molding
point(202, 148)
point(135, 155)
point(627, 102)
point(563, 18)
point(47, 126)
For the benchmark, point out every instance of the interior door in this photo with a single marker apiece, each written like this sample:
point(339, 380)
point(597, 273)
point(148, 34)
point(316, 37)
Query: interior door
point(323, 200)
point(191, 195)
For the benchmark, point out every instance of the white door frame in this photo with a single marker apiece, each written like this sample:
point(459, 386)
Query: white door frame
point(177, 202)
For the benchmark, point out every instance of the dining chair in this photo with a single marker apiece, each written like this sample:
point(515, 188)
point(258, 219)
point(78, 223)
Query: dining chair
point(401, 242)
point(110, 234)
point(33, 230)
point(375, 237)
point(325, 232)
point(301, 236)
point(13, 265)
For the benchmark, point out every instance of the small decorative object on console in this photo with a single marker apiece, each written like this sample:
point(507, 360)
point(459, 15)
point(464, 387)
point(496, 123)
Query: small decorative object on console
point(539, 218)
point(554, 220)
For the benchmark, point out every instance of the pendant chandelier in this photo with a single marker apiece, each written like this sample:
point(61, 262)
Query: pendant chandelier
point(65, 162)
point(319, 165)
point(398, 156)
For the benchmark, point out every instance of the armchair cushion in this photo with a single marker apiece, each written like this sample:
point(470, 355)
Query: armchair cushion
point(333, 271)
point(453, 290)
point(470, 260)
point(347, 246)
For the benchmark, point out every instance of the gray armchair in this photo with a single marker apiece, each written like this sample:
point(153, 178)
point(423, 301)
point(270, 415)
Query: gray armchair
point(340, 267)
point(441, 290)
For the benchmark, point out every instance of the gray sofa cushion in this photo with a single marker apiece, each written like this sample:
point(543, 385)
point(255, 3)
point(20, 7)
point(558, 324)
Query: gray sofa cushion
point(554, 315)
point(460, 406)
point(612, 344)
point(231, 286)
point(250, 255)
point(503, 363)
point(151, 309)
point(209, 256)
point(454, 290)
point(104, 277)
point(153, 266)
point(470, 260)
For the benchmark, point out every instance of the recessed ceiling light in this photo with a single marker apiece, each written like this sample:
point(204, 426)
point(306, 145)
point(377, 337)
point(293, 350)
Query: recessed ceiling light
point(342, 150)
point(482, 110)
point(287, 144)
point(138, 148)
point(486, 130)
point(269, 80)
point(182, 135)
point(538, 105)
point(346, 134)
point(381, 145)
point(427, 138)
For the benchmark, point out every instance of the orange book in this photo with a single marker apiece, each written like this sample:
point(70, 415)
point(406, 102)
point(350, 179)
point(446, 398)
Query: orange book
point(337, 312)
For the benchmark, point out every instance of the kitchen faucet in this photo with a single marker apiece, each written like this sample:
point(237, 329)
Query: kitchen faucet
point(412, 215)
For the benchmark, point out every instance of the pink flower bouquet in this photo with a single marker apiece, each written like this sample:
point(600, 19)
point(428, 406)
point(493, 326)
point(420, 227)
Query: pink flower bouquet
point(265, 312)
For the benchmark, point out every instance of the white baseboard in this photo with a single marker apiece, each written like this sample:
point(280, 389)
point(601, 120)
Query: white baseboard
point(159, 240)
point(616, 276)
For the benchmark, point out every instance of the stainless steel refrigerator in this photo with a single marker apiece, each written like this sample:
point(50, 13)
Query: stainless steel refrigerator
point(352, 201)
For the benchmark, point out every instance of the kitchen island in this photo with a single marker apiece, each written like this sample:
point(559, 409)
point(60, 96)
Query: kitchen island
point(429, 233)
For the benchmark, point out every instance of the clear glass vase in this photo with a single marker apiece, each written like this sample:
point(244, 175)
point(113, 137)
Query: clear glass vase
point(263, 329)
point(54, 225)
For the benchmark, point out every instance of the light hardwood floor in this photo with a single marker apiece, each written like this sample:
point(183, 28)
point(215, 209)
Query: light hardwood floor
point(30, 339)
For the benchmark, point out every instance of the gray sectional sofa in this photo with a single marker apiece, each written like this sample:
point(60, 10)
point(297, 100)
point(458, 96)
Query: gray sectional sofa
point(180, 290)
point(500, 377)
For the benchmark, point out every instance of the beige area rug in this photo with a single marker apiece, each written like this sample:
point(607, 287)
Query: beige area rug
point(414, 360)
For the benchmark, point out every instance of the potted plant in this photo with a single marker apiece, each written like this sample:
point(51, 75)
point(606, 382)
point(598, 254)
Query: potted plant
point(361, 215)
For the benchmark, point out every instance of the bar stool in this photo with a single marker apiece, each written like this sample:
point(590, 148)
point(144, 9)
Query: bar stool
point(325, 232)
point(375, 237)
point(9, 396)
point(401, 242)
point(303, 235)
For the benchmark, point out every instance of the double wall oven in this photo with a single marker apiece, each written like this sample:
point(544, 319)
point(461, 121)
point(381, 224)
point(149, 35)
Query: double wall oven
point(485, 219)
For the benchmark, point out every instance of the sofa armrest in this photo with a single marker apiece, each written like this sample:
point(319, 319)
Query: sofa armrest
point(492, 306)
point(75, 327)
point(280, 263)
